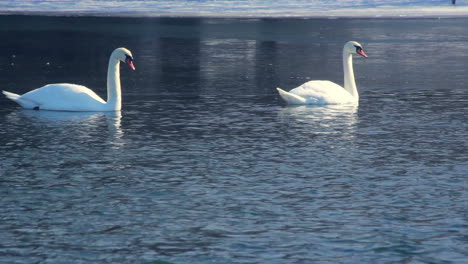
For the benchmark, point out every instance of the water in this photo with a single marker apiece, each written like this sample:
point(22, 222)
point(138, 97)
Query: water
point(241, 8)
point(205, 164)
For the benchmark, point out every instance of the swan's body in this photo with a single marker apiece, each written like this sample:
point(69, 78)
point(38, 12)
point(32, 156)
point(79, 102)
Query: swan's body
point(326, 92)
point(73, 97)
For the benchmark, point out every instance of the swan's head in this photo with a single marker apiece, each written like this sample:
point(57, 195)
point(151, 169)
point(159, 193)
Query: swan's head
point(124, 55)
point(354, 47)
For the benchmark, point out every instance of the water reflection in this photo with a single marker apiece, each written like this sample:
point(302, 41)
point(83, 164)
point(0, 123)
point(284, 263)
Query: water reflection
point(81, 124)
point(232, 160)
point(85, 118)
point(332, 116)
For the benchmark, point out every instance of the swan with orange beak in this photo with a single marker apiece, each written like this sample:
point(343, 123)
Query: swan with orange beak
point(327, 92)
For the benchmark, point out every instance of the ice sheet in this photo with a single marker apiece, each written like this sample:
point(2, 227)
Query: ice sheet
point(242, 8)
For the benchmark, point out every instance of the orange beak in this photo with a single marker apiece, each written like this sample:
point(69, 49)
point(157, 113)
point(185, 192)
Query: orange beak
point(130, 63)
point(362, 53)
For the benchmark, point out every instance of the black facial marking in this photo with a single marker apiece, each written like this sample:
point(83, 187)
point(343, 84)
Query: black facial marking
point(358, 48)
point(128, 57)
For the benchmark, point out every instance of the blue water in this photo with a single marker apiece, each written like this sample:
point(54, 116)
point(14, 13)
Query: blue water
point(205, 163)
point(242, 8)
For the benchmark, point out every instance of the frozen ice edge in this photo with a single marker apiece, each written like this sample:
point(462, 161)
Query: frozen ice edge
point(416, 12)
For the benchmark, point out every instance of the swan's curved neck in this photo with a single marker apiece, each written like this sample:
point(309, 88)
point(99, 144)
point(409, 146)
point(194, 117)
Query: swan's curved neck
point(349, 82)
point(114, 97)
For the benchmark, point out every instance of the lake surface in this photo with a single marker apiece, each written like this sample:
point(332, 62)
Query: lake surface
point(206, 164)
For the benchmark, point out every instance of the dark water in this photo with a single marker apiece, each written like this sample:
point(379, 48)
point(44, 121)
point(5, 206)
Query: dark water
point(205, 164)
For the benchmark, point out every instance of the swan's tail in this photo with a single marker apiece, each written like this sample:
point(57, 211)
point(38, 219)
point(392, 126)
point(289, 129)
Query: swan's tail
point(25, 103)
point(291, 98)
point(11, 96)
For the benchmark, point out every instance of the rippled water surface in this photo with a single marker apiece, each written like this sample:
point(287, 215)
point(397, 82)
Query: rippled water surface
point(205, 164)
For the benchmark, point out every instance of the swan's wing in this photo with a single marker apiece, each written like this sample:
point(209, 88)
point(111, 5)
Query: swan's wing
point(322, 92)
point(317, 88)
point(62, 91)
point(64, 96)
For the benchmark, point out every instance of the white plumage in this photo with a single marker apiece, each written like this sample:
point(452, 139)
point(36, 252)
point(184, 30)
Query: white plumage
point(73, 97)
point(326, 92)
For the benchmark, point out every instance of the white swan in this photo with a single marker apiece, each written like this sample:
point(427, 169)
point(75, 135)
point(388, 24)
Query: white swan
point(326, 92)
point(73, 97)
